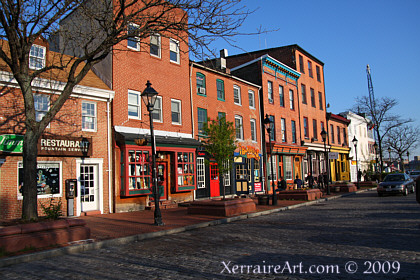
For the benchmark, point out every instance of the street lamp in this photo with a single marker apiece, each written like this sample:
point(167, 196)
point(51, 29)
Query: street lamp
point(267, 123)
point(375, 147)
point(327, 162)
point(357, 164)
point(149, 98)
point(408, 160)
point(389, 153)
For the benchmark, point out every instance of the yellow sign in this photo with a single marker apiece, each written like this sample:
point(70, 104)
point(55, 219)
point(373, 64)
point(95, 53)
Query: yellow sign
point(248, 152)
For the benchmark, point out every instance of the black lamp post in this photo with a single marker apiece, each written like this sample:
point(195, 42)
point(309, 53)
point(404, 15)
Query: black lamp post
point(327, 162)
point(267, 123)
point(389, 153)
point(357, 163)
point(375, 147)
point(149, 98)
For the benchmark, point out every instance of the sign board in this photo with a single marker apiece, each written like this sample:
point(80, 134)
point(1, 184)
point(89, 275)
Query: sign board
point(332, 155)
point(257, 187)
point(248, 152)
point(49, 145)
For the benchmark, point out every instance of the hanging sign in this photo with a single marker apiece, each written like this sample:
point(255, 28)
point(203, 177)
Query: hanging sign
point(248, 152)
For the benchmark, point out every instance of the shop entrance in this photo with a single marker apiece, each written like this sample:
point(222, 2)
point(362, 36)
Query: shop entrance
point(214, 180)
point(162, 178)
point(89, 187)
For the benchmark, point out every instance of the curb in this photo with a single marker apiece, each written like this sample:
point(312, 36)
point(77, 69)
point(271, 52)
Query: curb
point(80, 248)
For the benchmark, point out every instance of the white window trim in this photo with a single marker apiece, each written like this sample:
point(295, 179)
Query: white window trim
point(36, 57)
point(95, 117)
point(159, 44)
point(177, 52)
point(49, 104)
point(161, 110)
point(273, 172)
point(180, 111)
point(134, 38)
point(254, 135)
point(253, 99)
point(237, 117)
point(239, 95)
point(139, 104)
point(59, 194)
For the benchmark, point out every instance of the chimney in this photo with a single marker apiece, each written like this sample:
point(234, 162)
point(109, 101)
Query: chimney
point(221, 62)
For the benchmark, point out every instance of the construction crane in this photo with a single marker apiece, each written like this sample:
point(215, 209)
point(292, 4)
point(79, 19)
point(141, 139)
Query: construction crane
point(370, 87)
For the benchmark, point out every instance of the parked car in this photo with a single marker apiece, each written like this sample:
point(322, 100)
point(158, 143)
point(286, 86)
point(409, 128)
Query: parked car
point(397, 183)
point(414, 174)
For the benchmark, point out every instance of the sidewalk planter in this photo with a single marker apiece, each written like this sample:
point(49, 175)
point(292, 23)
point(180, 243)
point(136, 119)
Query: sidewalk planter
point(343, 187)
point(42, 234)
point(224, 208)
point(311, 194)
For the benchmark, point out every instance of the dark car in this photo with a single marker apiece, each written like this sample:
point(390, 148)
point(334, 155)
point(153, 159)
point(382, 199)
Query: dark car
point(397, 183)
point(414, 174)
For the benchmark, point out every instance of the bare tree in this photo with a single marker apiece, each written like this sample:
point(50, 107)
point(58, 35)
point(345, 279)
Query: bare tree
point(401, 139)
point(380, 117)
point(98, 25)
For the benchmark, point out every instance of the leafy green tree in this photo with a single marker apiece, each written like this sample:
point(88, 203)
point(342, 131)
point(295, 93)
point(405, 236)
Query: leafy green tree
point(220, 143)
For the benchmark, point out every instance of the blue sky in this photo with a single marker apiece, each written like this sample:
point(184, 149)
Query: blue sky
point(346, 36)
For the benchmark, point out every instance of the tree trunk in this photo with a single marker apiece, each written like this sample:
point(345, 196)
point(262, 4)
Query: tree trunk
point(30, 200)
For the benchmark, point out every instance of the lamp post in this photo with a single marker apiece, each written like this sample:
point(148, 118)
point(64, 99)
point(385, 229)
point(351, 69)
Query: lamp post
point(149, 98)
point(357, 164)
point(389, 153)
point(267, 123)
point(408, 160)
point(327, 162)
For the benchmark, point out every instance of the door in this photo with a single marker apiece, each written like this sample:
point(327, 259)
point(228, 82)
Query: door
point(241, 177)
point(89, 187)
point(162, 172)
point(214, 180)
point(203, 189)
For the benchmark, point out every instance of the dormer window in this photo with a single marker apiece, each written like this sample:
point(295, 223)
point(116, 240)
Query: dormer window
point(37, 57)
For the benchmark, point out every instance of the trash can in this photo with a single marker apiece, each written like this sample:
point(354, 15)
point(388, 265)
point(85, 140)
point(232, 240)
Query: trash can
point(263, 200)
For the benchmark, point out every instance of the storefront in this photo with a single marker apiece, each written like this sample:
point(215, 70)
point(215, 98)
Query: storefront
point(247, 170)
point(176, 170)
point(339, 163)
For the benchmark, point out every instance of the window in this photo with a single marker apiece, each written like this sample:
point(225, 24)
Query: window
point(221, 115)
point(134, 41)
point(202, 119)
point(237, 95)
point(322, 126)
point(42, 105)
point(305, 127)
point(313, 98)
point(37, 57)
point(185, 170)
point(283, 130)
point(318, 73)
point(310, 69)
point(253, 130)
point(344, 136)
point(139, 175)
point(303, 89)
point(174, 50)
point(201, 84)
point(176, 111)
point(281, 94)
point(273, 128)
point(88, 116)
point(270, 92)
point(301, 66)
point(155, 45)
point(226, 176)
point(293, 132)
point(321, 105)
point(157, 110)
point(315, 129)
point(49, 173)
point(220, 85)
point(239, 128)
point(201, 173)
point(288, 172)
point(338, 135)
point(332, 133)
point(251, 97)
point(291, 99)
point(134, 106)
point(272, 174)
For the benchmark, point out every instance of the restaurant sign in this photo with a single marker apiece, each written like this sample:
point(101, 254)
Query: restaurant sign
point(248, 152)
point(49, 145)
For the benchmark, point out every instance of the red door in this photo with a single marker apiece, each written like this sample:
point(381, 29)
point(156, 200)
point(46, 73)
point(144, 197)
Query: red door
point(162, 179)
point(214, 180)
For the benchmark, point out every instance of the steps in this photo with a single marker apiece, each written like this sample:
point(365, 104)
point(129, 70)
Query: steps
point(163, 204)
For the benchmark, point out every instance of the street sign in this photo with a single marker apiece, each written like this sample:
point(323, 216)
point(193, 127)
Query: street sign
point(332, 155)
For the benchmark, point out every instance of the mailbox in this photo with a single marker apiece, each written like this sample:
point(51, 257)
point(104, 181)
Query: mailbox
point(71, 188)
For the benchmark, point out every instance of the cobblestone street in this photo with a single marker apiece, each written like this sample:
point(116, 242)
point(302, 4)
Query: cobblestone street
point(361, 236)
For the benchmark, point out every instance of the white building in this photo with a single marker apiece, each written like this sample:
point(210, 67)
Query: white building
point(361, 129)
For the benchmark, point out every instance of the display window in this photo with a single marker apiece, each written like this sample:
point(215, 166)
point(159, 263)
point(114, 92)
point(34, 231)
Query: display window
point(137, 176)
point(185, 171)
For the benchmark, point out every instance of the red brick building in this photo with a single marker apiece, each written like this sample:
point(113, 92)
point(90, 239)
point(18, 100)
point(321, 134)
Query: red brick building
point(215, 94)
point(75, 146)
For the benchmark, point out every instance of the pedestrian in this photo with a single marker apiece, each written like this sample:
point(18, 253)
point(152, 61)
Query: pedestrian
point(321, 181)
point(281, 184)
point(298, 182)
point(310, 180)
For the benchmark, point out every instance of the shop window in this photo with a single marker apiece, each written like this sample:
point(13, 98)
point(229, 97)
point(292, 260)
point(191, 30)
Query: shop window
point(256, 170)
point(48, 179)
point(201, 174)
point(241, 172)
point(139, 175)
point(226, 177)
point(272, 175)
point(288, 168)
point(185, 171)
